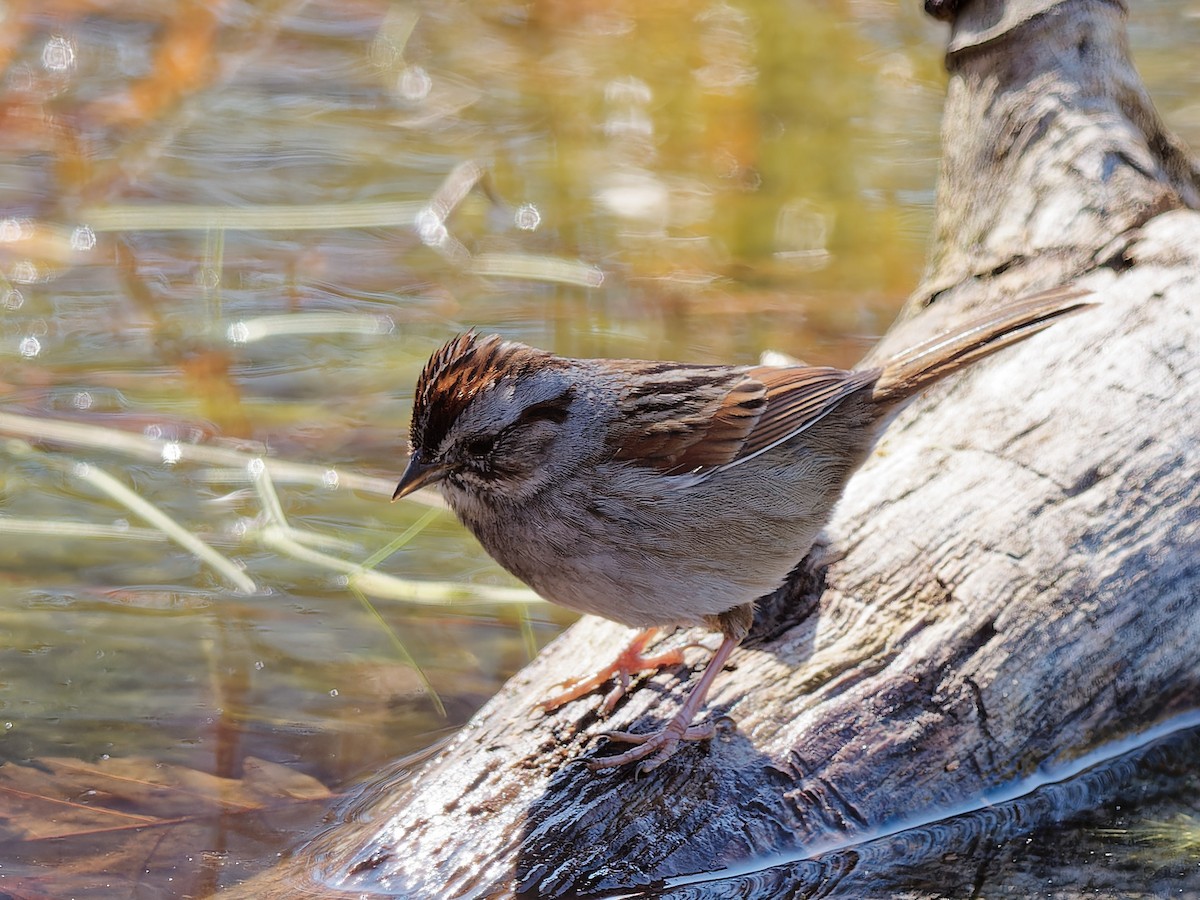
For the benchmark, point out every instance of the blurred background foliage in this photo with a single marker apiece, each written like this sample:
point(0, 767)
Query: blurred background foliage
point(231, 233)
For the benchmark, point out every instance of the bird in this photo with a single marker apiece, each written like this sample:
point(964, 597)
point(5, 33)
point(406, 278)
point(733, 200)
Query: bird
point(663, 494)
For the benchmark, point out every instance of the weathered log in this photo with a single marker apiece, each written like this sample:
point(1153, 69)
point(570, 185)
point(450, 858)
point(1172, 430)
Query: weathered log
point(1008, 585)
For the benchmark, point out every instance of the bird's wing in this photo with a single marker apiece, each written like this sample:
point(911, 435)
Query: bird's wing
point(698, 419)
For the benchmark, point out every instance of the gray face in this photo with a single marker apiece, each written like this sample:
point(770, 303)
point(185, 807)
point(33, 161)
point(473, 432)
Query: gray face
point(501, 447)
point(488, 418)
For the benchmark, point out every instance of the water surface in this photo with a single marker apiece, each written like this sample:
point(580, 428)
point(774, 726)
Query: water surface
point(241, 228)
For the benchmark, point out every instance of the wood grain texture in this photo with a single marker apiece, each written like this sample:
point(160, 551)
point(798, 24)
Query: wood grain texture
point(1008, 584)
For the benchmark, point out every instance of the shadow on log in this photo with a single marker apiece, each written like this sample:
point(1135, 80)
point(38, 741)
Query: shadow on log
point(1007, 586)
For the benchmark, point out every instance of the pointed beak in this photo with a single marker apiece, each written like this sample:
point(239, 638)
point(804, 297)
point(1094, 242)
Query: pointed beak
point(418, 474)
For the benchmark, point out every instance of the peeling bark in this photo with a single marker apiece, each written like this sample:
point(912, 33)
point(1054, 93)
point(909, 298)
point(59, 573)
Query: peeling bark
point(1007, 585)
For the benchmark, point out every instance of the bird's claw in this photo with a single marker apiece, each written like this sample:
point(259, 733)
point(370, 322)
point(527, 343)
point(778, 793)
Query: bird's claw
point(653, 749)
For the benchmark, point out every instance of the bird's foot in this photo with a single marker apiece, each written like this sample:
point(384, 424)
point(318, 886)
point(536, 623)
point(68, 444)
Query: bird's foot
point(655, 748)
point(629, 662)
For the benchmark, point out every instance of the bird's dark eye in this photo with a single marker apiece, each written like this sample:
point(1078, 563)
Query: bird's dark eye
point(480, 446)
point(555, 410)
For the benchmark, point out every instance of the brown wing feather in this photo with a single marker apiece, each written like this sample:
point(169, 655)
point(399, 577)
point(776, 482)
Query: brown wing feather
point(797, 397)
point(699, 418)
point(727, 429)
point(678, 418)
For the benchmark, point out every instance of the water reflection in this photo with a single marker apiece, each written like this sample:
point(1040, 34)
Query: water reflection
point(233, 233)
point(1069, 837)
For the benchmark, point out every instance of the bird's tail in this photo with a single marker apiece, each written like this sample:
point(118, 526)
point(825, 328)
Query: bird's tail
point(912, 370)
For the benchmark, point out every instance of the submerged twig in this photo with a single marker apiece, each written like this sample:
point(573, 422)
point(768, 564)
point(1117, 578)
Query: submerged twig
point(141, 508)
point(282, 537)
point(59, 528)
point(390, 587)
point(233, 462)
point(270, 217)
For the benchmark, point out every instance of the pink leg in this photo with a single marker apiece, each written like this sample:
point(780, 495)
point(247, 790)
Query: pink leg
point(659, 746)
point(628, 661)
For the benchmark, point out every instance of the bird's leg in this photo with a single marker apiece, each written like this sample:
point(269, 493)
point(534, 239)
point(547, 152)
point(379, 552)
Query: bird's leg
point(628, 661)
point(659, 746)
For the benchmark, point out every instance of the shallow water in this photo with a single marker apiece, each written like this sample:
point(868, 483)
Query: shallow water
point(214, 236)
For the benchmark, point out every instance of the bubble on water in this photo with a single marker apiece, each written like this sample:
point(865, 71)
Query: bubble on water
point(81, 470)
point(59, 54)
point(256, 467)
point(13, 230)
point(414, 83)
point(83, 238)
point(154, 432)
point(82, 400)
point(208, 277)
point(237, 333)
point(121, 524)
point(14, 299)
point(259, 665)
point(30, 347)
point(8, 726)
point(527, 217)
point(172, 453)
point(24, 271)
point(330, 479)
point(430, 227)
point(333, 693)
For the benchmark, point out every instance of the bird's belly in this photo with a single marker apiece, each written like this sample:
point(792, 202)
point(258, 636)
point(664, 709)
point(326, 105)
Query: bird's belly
point(642, 593)
point(653, 559)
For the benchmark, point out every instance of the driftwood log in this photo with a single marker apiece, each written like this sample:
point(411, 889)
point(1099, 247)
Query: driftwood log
point(1008, 585)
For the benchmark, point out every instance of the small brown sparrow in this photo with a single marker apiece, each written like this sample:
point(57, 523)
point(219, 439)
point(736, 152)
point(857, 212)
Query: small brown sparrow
point(659, 493)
